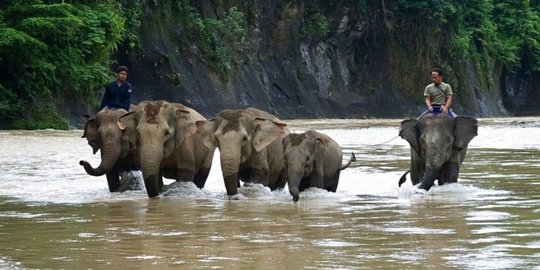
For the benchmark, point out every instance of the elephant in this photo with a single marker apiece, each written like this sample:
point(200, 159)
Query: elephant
point(312, 159)
point(118, 154)
point(167, 143)
point(249, 141)
point(438, 147)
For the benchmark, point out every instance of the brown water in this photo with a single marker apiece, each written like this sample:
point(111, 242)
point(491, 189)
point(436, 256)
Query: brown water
point(53, 215)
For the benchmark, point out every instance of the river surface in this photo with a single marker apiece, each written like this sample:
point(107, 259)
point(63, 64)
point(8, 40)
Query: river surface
point(55, 216)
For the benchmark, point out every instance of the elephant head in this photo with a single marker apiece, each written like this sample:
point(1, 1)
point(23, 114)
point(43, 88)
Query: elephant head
point(158, 128)
point(242, 137)
point(102, 133)
point(304, 154)
point(438, 146)
point(151, 126)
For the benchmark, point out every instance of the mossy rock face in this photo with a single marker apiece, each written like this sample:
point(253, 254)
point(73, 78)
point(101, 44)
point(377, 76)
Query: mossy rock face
point(58, 124)
point(42, 118)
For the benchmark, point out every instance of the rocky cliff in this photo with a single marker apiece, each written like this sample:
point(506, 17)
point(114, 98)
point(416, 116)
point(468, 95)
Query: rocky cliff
point(359, 66)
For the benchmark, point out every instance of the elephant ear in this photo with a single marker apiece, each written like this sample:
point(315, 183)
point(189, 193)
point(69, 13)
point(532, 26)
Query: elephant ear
point(267, 131)
point(128, 124)
point(207, 129)
point(320, 148)
point(409, 132)
point(185, 125)
point(127, 121)
point(286, 141)
point(91, 134)
point(465, 129)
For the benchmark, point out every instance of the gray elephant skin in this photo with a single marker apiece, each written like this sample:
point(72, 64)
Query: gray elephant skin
point(249, 141)
point(312, 159)
point(118, 154)
point(438, 147)
point(167, 143)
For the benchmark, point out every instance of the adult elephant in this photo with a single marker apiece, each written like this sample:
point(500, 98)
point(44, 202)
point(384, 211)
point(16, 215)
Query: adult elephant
point(249, 142)
point(438, 147)
point(168, 144)
point(312, 159)
point(118, 154)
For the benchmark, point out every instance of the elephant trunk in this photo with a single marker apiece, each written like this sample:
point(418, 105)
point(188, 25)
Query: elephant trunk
point(435, 158)
point(295, 172)
point(429, 178)
point(150, 165)
point(230, 165)
point(110, 153)
point(231, 184)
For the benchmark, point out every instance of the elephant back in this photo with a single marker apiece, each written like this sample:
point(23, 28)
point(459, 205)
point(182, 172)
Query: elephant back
point(194, 115)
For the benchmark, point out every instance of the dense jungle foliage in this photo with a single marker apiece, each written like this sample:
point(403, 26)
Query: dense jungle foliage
point(55, 49)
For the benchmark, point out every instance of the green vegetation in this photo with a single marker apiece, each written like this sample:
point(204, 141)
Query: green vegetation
point(314, 25)
point(222, 42)
point(504, 30)
point(48, 50)
point(489, 34)
point(44, 117)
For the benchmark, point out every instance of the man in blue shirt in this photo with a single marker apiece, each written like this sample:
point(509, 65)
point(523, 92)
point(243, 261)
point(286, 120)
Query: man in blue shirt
point(117, 93)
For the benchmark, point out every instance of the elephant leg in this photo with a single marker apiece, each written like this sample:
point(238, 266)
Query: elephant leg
point(201, 176)
point(417, 173)
point(316, 180)
point(281, 181)
point(418, 166)
point(305, 183)
point(335, 182)
point(113, 179)
point(160, 181)
point(259, 176)
point(185, 175)
point(449, 173)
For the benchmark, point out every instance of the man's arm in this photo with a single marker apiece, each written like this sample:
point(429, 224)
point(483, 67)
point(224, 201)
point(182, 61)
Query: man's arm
point(106, 99)
point(127, 100)
point(447, 104)
point(427, 99)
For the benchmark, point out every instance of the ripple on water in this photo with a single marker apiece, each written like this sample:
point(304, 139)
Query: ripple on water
point(334, 243)
point(488, 216)
point(419, 230)
point(490, 259)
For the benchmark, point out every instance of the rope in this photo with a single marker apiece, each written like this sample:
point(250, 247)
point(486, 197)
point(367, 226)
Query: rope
point(387, 141)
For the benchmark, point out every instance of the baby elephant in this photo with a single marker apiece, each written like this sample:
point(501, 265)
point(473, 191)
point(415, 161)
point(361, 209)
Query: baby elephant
point(313, 160)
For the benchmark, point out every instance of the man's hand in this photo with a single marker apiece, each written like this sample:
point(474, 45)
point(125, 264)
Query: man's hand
point(444, 109)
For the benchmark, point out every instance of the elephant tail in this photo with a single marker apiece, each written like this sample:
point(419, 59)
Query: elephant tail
point(403, 178)
point(351, 160)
